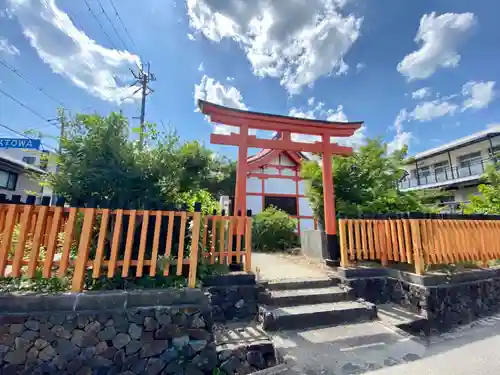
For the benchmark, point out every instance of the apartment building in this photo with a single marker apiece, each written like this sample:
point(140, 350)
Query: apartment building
point(455, 167)
point(19, 171)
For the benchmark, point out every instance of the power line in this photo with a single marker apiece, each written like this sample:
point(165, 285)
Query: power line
point(100, 24)
point(124, 27)
point(112, 25)
point(26, 107)
point(17, 72)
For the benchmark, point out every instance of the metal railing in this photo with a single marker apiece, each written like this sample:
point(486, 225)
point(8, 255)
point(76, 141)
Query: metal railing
point(448, 174)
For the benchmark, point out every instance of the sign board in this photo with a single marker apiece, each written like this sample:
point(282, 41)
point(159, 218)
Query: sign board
point(20, 143)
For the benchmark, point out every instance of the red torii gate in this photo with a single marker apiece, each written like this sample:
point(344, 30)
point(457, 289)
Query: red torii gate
point(285, 125)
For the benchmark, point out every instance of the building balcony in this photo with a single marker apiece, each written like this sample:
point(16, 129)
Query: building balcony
point(445, 176)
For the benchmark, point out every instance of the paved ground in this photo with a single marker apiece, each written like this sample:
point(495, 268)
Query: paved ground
point(282, 266)
point(373, 349)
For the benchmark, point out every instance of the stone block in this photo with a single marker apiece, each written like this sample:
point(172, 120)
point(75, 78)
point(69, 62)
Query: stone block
point(101, 301)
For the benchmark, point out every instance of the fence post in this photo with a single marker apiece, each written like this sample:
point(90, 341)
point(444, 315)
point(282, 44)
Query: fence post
point(83, 248)
point(5, 247)
point(344, 257)
point(195, 239)
point(417, 246)
point(248, 242)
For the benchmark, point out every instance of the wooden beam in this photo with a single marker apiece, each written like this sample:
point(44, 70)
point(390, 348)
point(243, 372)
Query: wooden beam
point(252, 142)
point(265, 124)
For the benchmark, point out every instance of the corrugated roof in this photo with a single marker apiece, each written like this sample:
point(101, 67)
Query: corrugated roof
point(470, 139)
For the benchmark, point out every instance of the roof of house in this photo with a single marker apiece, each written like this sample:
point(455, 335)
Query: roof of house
point(18, 164)
point(462, 142)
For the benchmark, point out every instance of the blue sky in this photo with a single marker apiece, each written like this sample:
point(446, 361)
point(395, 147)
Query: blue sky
point(417, 72)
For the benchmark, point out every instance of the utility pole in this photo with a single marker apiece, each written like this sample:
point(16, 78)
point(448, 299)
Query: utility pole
point(62, 124)
point(142, 78)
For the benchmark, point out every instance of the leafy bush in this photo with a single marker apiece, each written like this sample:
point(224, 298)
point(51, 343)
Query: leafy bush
point(274, 230)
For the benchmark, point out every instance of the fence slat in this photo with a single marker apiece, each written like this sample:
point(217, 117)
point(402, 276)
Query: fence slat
point(416, 236)
point(248, 245)
point(142, 243)
point(222, 240)
point(7, 236)
point(180, 252)
point(344, 256)
point(205, 233)
point(193, 256)
point(21, 240)
point(37, 241)
point(129, 243)
point(371, 244)
point(394, 238)
point(213, 242)
point(357, 239)
point(401, 240)
point(83, 250)
point(388, 240)
point(364, 245)
point(168, 245)
point(230, 241)
point(99, 254)
point(115, 244)
point(238, 238)
point(52, 242)
point(156, 244)
point(350, 231)
point(69, 230)
point(407, 235)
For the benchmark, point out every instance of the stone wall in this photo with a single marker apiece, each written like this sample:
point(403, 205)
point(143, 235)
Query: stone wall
point(233, 297)
point(443, 301)
point(138, 332)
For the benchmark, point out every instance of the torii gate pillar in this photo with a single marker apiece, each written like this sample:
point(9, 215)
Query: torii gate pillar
point(285, 125)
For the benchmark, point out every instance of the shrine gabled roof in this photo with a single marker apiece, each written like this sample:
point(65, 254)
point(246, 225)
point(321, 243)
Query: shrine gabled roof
point(266, 155)
point(266, 121)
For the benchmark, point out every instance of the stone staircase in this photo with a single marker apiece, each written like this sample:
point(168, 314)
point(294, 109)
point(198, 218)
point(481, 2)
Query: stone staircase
point(300, 304)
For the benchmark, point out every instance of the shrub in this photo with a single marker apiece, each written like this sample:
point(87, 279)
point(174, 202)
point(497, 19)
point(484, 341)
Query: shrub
point(274, 230)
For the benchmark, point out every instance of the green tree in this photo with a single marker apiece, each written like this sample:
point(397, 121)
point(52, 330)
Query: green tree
point(365, 182)
point(489, 200)
point(99, 159)
point(273, 229)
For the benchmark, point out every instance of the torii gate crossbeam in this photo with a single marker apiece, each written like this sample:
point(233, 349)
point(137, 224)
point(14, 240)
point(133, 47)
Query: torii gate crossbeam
point(284, 125)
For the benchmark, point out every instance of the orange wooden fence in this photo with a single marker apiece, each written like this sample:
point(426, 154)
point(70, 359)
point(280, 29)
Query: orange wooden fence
point(426, 241)
point(68, 241)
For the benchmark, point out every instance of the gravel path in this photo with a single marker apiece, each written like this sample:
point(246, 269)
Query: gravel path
point(280, 266)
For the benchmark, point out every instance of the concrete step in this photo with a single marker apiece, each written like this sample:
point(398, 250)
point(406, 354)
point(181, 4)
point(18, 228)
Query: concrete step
point(293, 284)
point(392, 315)
point(295, 297)
point(322, 314)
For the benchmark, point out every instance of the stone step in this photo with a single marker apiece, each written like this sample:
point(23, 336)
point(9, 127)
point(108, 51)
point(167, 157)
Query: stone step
point(293, 284)
point(392, 315)
point(322, 314)
point(294, 297)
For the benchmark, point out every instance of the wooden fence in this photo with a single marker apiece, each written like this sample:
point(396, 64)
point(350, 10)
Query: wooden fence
point(59, 241)
point(420, 239)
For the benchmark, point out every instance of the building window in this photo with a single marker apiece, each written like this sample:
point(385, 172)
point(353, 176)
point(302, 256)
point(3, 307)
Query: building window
point(494, 151)
point(8, 180)
point(424, 171)
point(29, 159)
point(469, 159)
point(287, 204)
point(441, 167)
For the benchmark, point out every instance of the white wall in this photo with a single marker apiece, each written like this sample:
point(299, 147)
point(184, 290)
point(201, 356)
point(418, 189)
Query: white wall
point(280, 186)
point(254, 203)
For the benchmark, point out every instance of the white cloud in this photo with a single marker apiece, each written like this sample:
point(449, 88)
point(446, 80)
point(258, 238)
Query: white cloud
point(402, 138)
point(215, 92)
point(422, 93)
point(5, 13)
point(71, 53)
point(230, 79)
point(360, 67)
point(430, 110)
point(317, 111)
point(191, 37)
point(7, 48)
point(440, 36)
point(493, 126)
point(201, 68)
point(480, 94)
point(295, 41)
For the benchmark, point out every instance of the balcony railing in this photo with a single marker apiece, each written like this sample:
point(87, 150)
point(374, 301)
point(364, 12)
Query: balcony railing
point(448, 174)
